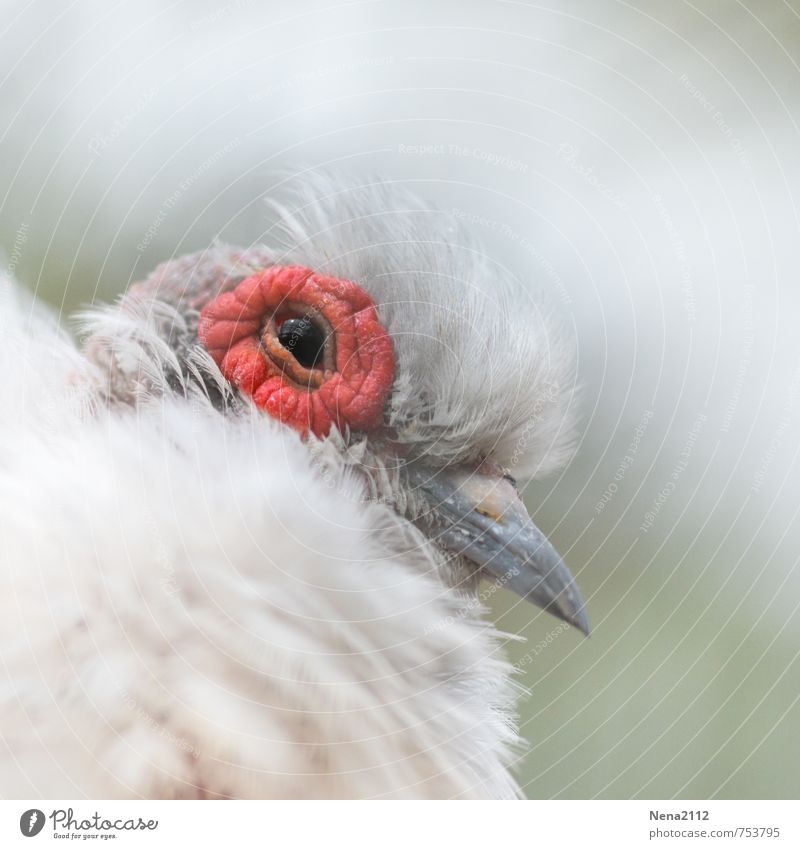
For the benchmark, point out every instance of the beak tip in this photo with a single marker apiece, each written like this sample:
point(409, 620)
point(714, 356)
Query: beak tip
point(571, 607)
point(478, 516)
point(580, 620)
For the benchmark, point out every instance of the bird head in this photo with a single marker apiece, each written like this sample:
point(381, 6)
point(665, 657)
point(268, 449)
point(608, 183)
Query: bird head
point(371, 327)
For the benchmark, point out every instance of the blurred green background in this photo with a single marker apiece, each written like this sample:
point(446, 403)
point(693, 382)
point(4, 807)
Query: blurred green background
point(638, 162)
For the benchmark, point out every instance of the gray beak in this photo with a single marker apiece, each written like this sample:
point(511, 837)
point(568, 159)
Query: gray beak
point(479, 514)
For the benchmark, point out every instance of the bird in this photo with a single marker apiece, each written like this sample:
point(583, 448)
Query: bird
point(248, 509)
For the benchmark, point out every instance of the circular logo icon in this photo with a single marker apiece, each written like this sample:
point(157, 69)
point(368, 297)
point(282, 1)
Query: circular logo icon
point(31, 822)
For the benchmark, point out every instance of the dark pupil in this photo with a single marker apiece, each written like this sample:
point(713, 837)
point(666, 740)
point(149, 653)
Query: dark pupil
point(302, 338)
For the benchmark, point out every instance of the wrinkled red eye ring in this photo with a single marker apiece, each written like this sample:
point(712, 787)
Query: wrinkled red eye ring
point(348, 389)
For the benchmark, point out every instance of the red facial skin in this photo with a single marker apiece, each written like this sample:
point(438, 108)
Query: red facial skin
point(350, 387)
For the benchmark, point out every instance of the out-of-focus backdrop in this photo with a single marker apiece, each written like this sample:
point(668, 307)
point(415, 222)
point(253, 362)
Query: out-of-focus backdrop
point(641, 161)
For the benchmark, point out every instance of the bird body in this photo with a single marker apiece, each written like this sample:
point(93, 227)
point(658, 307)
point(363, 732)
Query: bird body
point(201, 601)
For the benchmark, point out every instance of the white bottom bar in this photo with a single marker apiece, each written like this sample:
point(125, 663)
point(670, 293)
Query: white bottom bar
point(379, 825)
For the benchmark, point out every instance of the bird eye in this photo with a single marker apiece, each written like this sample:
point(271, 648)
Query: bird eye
point(309, 349)
point(302, 338)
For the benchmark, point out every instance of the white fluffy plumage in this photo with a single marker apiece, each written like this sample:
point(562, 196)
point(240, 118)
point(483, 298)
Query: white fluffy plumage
point(197, 603)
